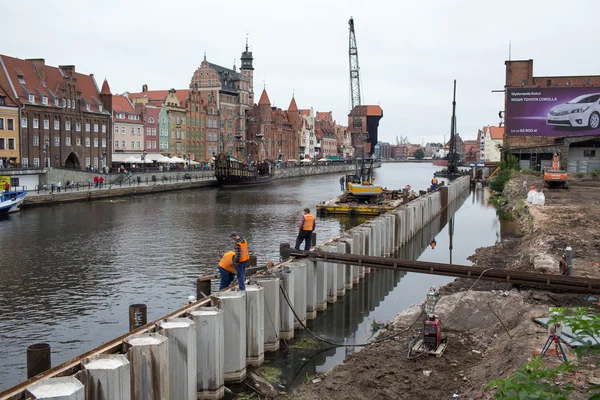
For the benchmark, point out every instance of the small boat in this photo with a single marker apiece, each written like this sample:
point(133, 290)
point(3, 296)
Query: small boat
point(233, 173)
point(11, 201)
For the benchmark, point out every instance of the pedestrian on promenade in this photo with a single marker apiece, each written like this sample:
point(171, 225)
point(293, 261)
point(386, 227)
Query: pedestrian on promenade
point(434, 183)
point(6, 187)
point(101, 181)
point(342, 181)
point(240, 259)
point(95, 181)
point(306, 228)
point(226, 269)
point(58, 186)
point(52, 187)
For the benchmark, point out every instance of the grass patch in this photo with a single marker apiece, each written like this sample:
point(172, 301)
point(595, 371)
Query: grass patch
point(595, 173)
point(306, 343)
point(271, 374)
point(377, 325)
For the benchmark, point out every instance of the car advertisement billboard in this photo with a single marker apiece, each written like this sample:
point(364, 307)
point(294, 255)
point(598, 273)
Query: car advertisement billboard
point(571, 111)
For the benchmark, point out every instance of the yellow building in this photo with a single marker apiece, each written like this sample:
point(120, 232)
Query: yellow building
point(9, 131)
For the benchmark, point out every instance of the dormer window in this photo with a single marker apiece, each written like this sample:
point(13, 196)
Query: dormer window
point(100, 108)
point(44, 100)
point(68, 103)
point(87, 106)
point(21, 79)
point(32, 98)
point(56, 103)
point(64, 103)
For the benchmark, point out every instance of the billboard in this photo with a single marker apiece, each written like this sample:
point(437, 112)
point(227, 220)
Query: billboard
point(568, 111)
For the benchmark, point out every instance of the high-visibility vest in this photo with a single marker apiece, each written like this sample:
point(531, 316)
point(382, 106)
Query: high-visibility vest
point(227, 262)
point(309, 222)
point(244, 256)
point(434, 181)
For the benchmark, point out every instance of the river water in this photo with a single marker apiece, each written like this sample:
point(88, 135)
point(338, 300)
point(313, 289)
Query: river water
point(69, 272)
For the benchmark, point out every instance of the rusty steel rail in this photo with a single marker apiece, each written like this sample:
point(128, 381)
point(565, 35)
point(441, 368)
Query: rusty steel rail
point(114, 346)
point(534, 279)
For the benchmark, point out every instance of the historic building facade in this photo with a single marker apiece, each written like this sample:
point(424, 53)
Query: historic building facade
point(65, 119)
point(128, 126)
point(9, 130)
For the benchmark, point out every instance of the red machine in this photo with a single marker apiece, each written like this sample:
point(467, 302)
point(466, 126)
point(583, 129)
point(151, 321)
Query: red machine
point(432, 332)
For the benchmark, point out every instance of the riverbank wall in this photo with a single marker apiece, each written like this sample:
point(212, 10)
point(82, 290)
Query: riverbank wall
point(275, 304)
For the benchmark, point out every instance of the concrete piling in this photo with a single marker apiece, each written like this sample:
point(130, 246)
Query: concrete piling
point(311, 289)
point(181, 333)
point(270, 284)
point(286, 317)
point(148, 354)
point(210, 354)
point(322, 285)
point(299, 270)
point(341, 270)
point(255, 325)
point(347, 249)
point(233, 304)
point(331, 270)
point(64, 388)
point(106, 377)
point(39, 359)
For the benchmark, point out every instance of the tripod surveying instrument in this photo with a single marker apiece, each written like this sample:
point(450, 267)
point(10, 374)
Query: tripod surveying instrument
point(554, 332)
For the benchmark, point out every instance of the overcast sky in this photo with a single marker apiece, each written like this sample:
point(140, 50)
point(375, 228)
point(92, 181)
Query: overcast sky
point(409, 52)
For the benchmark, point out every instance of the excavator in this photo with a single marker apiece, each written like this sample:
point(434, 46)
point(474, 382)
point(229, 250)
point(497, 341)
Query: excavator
point(555, 177)
point(360, 186)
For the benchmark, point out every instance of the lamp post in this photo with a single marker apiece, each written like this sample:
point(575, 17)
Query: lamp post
point(144, 159)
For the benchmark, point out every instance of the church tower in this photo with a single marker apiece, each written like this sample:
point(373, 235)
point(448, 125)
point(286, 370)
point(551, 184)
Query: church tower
point(248, 69)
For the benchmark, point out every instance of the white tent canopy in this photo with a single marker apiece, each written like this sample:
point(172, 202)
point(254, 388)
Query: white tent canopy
point(176, 160)
point(192, 162)
point(306, 160)
point(164, 160)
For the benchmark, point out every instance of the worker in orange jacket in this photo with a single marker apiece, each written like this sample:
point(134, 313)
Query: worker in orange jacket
point(226, 269)
point(306, 228)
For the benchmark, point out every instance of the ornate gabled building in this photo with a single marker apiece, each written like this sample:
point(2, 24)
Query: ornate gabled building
point(65, 118)
point(128, 126)
point(9, 129)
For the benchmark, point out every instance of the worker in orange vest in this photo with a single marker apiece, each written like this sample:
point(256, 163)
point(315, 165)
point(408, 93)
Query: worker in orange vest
point(434, 184)
point(240, 259)
point(306, 228)
point(226, 269)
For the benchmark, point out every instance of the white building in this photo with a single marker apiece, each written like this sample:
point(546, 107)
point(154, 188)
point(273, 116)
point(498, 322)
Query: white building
point(490, 142)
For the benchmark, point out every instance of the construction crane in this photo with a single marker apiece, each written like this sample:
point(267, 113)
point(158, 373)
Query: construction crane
point(360, 185)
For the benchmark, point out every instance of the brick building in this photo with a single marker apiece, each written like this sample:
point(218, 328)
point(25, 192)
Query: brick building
point(65, 118)
point(576, 146)
point(370, 116)
point(150, 116)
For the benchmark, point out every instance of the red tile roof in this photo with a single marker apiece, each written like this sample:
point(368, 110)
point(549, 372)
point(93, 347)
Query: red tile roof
point(105, 88)
point(122, 104)
point(497, 132)
point(8, 97)
point(264, 98)
point(304, 112)
point(293, 106)
point(370, 111)
point(323, 115)
point(36, 78)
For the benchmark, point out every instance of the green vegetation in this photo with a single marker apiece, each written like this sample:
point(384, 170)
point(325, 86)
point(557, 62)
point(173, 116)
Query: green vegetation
point(271, 374)
point(419, 154)
point(377, 325)
point(527, 171)
point(306, 343)
point(536, 380)
point(508, 166)
point(580, 174)
point(595, 173)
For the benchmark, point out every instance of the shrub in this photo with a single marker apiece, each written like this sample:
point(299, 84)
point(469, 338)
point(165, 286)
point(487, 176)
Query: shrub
point(580, 174)
point(499, 181)
point(595, 173)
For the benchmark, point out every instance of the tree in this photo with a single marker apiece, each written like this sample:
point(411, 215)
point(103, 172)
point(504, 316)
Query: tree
point(419, 154)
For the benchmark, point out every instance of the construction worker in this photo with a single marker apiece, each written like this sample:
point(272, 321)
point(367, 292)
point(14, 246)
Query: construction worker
point(434, 183)
point(562, 265)
point(306, 228)
point(342, 181)
point(433, 244)
point(226, 269)
point(240, 259)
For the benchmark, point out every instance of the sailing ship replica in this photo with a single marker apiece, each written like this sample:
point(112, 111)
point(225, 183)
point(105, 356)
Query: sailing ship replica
point(233, 173)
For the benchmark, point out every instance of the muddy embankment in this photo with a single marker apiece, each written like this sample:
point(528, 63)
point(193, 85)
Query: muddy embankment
point(489, 325)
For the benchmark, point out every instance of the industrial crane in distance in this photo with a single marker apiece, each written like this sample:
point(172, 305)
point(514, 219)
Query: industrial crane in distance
point(360, 186)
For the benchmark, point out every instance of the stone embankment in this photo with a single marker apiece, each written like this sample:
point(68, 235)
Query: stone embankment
point(489, 325)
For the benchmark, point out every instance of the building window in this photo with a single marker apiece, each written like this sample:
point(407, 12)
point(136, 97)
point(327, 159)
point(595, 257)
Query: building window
point(23, 122)
point(103, 128)
point(31, 98)
point(132, 144)
point(116, 129)
point(68, 103)
point(46, 124)
point(36, 162)
point(78, 126)
point(77, 142)
point(1, 124)
point(87, 142)
point(95, 127)
point(24, 162)
point(2, 144)
point(132, 131)
point(64, 103)
point(148, 132)
point(95, 142)
point(68, 141)
point(589, 153)
point(36, 140)
point(151, 120)
point(153, 131)
point(87, 127)
point(123, 130)
point(116, 144)
point(104, 143)
point(95, 162)
point(100, 108)
point(56, 125)
point(87, 162)
point(36, 123)
point(67, 126)
point(139, 131)
point(56, 141)
point(57, 102)
point(148, 145)
point(44, 100)
point(87, 106)
point(11, 143)
point(123, 144)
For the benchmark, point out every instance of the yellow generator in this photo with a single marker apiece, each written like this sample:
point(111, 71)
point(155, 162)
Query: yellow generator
point(360, 186)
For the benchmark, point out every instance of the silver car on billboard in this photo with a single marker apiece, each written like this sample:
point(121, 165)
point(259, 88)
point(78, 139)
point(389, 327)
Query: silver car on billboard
point(581, 112)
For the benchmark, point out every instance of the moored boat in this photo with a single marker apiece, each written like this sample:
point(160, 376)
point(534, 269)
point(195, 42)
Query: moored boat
point(11, 201)
point(233, 173)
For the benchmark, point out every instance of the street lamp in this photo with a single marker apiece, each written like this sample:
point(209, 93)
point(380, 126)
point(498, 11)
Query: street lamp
point(144, 159)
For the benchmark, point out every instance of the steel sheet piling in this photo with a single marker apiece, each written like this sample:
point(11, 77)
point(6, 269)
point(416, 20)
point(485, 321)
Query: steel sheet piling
point(341, 270)
point(64, 388)
point(347, 248)
point(39, 359)
point(233, 304)
point(181, 333)
point(286, 321)
point(270, 284)
point(148, 354)
point(255, 325)
point(322, 285)
point(299, 270)
point(311, 289)
point(331, 276)
point(210, 354)
point(106, 377)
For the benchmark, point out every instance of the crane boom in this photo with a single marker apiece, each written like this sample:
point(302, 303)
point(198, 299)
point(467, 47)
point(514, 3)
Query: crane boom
point(357, 126)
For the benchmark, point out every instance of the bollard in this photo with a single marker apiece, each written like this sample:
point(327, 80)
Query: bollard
point(181, 333)
point(106, 376)
point(210, 359)
point(569, 259)
point(38, 359)
point(138, 316)
point(233, 304)
point(284, 251)
point(64, 388)
point(255, 325)
point(203, 288)
point(270, 284)
point(313, 239)
point(148, 354)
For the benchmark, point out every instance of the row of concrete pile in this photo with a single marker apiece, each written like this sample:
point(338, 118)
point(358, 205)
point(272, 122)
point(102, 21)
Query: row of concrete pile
point(193, 356)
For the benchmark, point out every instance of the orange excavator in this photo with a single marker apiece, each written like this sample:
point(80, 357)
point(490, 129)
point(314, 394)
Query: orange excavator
point(555, 177)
